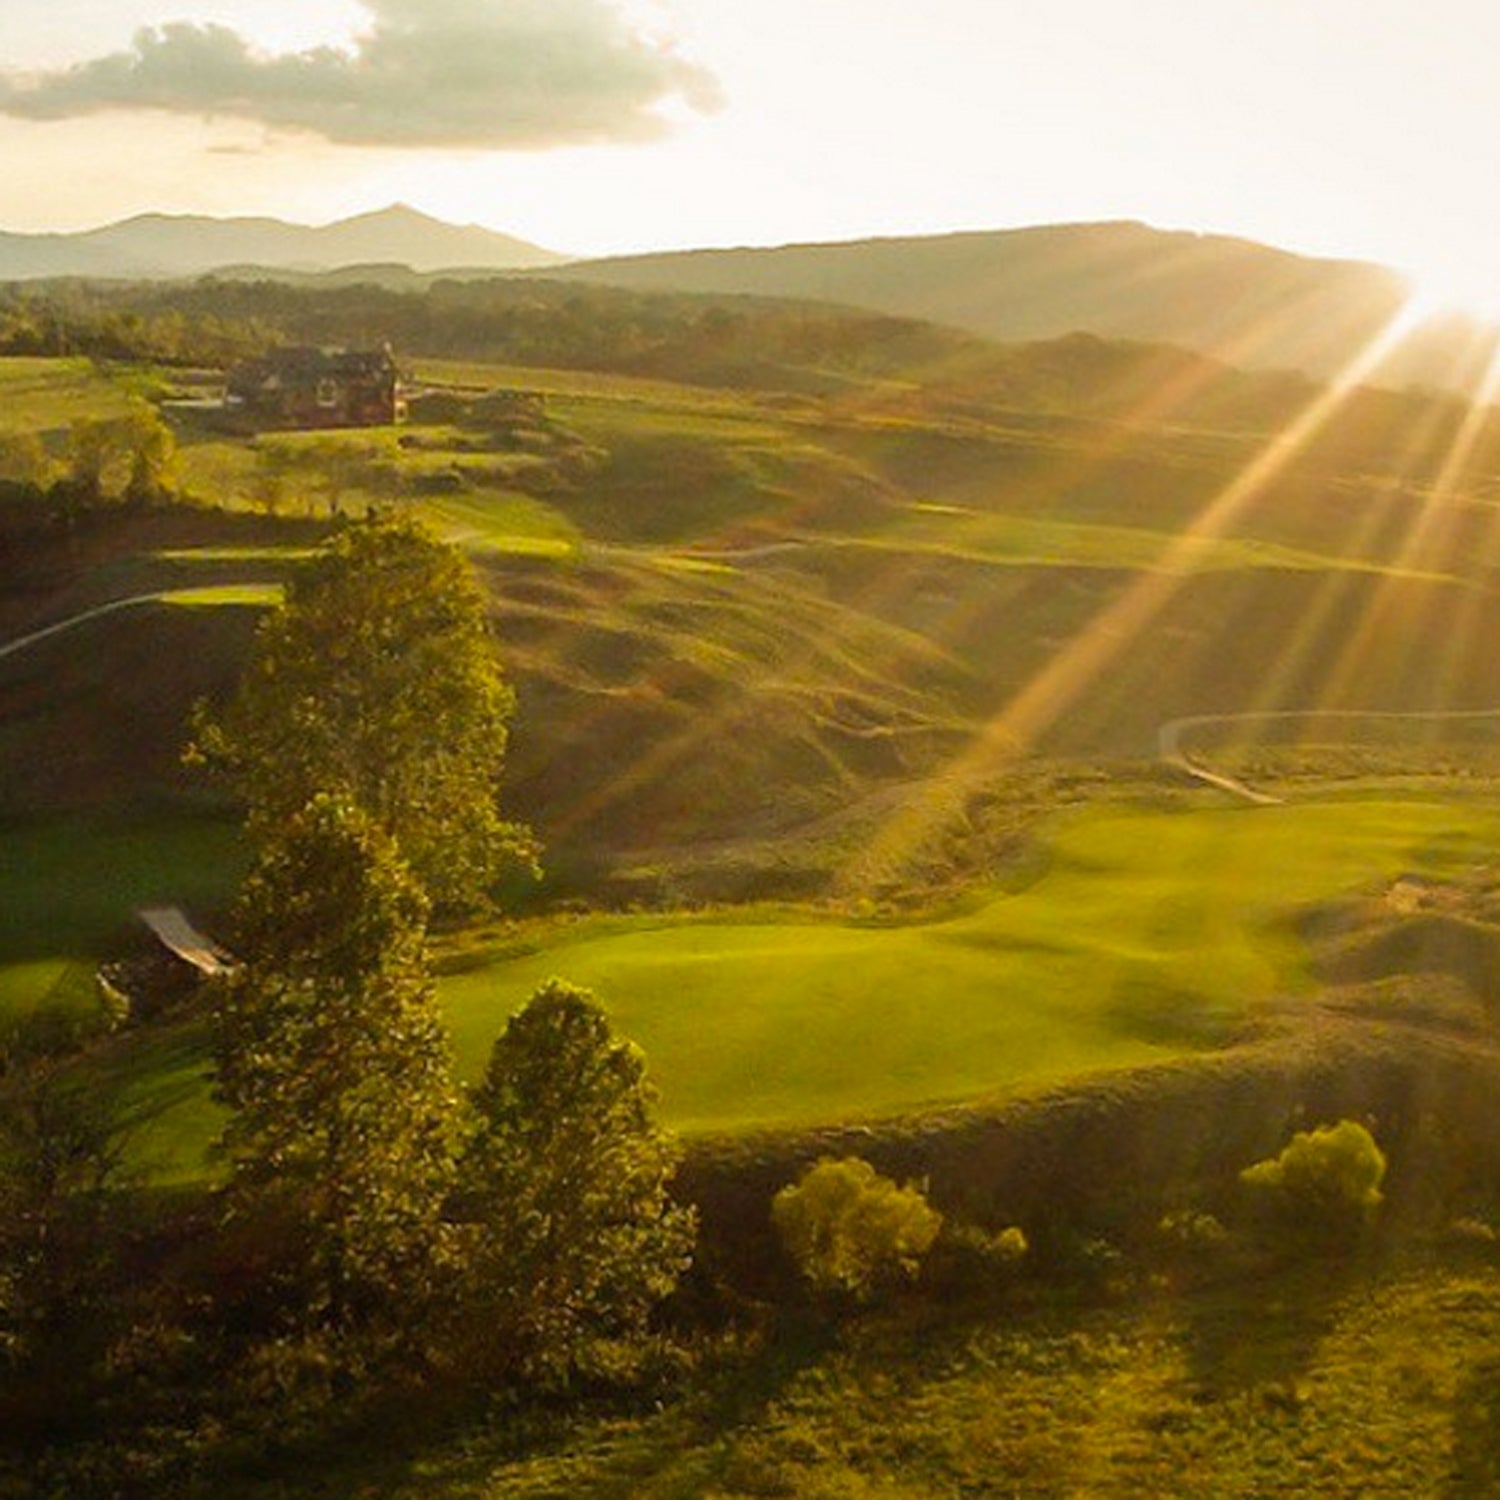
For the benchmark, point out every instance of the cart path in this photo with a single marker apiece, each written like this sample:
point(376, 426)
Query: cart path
point(1169, 736)
point(99, 611)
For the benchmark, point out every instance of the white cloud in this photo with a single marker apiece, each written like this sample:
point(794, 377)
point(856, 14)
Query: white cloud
point(492, 74)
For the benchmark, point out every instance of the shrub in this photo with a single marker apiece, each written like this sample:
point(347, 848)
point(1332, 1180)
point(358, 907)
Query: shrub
point(1325, 1182)
point(852, 1231)
point(968, 1259)
point(1188, 1231)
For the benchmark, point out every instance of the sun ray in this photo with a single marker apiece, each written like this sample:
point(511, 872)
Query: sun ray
point(1394, 608)
point(1286, 677)
point(1141, 426)
point(1122, 623)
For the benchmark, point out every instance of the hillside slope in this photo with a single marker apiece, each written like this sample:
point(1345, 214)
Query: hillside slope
point(1246, 303)
point(745, 626)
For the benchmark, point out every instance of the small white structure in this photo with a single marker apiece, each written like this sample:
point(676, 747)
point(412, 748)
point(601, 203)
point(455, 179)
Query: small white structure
point(178, 936)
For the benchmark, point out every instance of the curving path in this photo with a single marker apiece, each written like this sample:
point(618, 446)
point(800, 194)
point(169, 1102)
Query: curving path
point(1169, 735)
point(98, 612)
point(115, 606)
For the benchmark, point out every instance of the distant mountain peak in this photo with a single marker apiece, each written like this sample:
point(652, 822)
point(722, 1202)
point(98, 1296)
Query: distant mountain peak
point(163, 246)
point(396, 213)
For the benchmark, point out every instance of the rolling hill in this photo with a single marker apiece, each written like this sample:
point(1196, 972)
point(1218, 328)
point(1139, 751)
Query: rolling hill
point(1245, 303)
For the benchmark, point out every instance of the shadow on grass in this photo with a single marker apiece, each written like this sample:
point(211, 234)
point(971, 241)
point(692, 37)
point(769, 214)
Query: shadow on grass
point(1264, 1335)
point(677, 1441)
point(1476, 1433)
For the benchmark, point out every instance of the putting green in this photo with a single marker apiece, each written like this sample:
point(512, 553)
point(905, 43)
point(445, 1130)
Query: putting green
point(1147, 935)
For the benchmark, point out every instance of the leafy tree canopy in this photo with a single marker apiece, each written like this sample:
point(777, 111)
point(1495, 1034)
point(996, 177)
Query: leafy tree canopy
point(1324, 1181)
point(378, 680)
point(332, 1055)
point(565, 1184)
point(850, 1230)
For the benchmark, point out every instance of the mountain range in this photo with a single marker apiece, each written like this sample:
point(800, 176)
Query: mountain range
point(166, 246)
point(1246, 304)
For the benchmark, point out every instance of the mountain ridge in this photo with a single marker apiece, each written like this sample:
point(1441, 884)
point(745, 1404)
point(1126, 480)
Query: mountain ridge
point(1239, 300)
point(161, 246)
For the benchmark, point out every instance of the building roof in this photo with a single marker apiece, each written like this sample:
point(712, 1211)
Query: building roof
point(305, 365)
point(178, 936)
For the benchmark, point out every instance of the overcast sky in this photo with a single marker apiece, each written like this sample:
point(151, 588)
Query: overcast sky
point(595, 126)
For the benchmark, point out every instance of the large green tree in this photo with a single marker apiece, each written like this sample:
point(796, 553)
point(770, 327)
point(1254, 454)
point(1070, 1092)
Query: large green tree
point(333, 1060)
point(379, 680)
point(572, 1234)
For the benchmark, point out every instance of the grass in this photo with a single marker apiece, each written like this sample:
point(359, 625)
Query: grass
point(477, 377)
point(734, 616)
point(729, 619)
point(223, 596)
point(728, 616)
point(1148, 935)
point(1043, 541)
point(68, 894)
point(504, 523)
point(1314, 1381)
point(1145, 936)
point(45, 395)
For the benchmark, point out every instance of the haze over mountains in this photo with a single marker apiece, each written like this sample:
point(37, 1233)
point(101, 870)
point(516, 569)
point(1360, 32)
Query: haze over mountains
point(164, 246)
point(1246, 304)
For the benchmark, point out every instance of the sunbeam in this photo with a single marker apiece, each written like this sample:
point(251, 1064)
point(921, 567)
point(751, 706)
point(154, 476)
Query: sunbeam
point(1341, 589)
point(1123, 623)
point(1393, 606)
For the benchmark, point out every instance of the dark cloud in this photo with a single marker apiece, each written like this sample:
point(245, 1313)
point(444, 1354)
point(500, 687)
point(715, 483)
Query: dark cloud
point(514, 74)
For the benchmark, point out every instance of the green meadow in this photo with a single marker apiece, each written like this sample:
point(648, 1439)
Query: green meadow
point(734, 621)
point(1143, 935)
point(45, 395)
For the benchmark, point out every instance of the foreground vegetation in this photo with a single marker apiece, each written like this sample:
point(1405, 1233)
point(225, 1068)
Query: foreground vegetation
point(1306, 1381)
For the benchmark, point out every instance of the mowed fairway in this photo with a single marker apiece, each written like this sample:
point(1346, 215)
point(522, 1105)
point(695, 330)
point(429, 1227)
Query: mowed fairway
point(1147, 935)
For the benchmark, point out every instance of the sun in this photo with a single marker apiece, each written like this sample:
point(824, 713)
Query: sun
point(1452, 281)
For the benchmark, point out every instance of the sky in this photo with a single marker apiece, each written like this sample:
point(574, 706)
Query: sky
point(1363, 128)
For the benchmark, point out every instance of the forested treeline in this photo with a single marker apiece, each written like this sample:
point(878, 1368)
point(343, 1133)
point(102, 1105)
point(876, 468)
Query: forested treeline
point(869, 362)
point(213, 320)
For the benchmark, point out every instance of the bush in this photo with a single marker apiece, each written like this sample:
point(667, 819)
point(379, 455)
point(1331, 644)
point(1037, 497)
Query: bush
point(1188, 1232)
point(968, 1259)
point(1326, 1182)
point(852, 1231)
